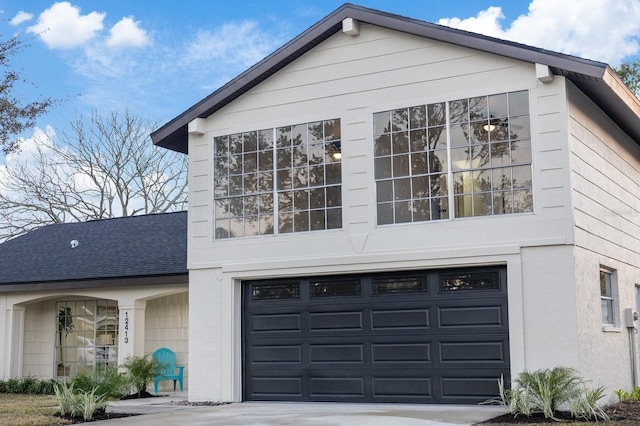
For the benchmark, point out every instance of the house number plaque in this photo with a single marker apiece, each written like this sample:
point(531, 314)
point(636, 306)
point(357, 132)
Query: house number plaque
point(126, 327)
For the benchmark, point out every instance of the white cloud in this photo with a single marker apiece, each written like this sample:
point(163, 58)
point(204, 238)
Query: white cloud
point(63, 27)
point(602, 30)
point(242, 44)
point(127, 33)
point(20, 18)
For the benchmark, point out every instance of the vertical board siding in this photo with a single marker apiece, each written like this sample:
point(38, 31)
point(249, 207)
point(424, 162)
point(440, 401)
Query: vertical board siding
point(167, 325)
point(605, 174)
point(38, 340)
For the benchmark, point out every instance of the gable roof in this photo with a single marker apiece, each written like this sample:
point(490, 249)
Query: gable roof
point(135, 246)
point(596, 79)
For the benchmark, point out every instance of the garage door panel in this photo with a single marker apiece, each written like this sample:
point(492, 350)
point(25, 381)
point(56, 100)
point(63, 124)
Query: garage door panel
point(400, 353)
point(456, 388)
point(411, 387)
point(346, 353)
point(277, 354)
point(276, 322)
point(400, 318)
point(276, 387)
point(406, 340)
point(333, 388)
point(481, 352)
point(333, 321)
point(470, 316)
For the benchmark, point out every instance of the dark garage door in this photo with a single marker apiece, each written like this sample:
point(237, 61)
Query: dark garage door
point(418, 337)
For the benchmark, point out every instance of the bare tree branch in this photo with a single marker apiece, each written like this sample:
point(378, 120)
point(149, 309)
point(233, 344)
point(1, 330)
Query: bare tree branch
point(103, 167)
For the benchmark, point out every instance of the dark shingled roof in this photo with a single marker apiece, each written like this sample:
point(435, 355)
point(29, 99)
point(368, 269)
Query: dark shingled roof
point(596, 79)
point(136, 246)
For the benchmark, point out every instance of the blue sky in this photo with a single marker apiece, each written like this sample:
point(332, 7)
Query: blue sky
point(159, 57)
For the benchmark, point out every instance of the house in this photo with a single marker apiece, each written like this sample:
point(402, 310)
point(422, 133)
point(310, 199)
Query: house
point(79, 296)
point(388, 210)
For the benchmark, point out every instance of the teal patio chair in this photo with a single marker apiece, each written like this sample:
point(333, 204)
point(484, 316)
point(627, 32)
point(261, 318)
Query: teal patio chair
point(166, 358)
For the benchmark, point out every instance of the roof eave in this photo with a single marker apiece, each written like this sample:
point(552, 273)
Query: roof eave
point(174, 134)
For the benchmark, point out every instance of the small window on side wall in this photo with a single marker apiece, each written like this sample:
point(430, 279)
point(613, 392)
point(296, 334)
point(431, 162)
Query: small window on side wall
point(607, 296)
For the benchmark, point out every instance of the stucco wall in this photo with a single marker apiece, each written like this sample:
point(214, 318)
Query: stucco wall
point(605, 178)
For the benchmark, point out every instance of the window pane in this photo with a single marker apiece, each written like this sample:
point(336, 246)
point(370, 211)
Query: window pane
point(500, 154)
point(382, 122)
point(488, 280)
point(317, 220)
point(333, 174)
point(402, 189)
point(285, 223)
point(605, 283)
point(399, 120)
point(301, 221)
point(437, 138)
point(419, 164)
point(519, 103)
point(250, 142)
point(519, 127)
point(498, 106)
point(418, 117)
point(332, 130)
point(459, 111)
point(384, 190)
point(403, 211)
point(265, 140)
point(478, 108)
point(399, 285)
point(385, 214)
point(382, 145)
point(421, 210)
point(335, 288)
point(419, 187)
point(400, 165)
point(334, 196)
point(275, 291)
point(460, 159)
point(522, 201)
point(400, 143)
point(334, 218)
point(521, 151)
point(460, 135)
point(521, 177)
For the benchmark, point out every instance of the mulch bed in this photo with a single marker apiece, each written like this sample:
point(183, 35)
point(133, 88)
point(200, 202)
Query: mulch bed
point(627, 413)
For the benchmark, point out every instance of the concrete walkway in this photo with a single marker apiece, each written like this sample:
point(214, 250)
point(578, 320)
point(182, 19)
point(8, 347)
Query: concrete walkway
point(167, 410)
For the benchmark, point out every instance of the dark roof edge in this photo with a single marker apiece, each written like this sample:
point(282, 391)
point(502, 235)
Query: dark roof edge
point(96, 283)
point(173, 135)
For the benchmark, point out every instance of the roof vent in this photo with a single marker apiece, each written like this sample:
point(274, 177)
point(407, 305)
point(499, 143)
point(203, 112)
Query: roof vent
point(74, 243)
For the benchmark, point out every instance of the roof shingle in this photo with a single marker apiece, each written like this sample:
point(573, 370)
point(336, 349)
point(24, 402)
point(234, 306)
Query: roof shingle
point(132, 246)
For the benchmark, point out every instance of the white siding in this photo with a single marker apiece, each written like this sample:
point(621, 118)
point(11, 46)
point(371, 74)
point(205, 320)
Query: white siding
point(167, 325)
point(605, 180)
point(351, 78)
point(39, 332)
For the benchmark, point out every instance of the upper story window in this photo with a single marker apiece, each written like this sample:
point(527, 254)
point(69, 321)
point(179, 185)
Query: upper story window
point(469, 157)
point(282, 180)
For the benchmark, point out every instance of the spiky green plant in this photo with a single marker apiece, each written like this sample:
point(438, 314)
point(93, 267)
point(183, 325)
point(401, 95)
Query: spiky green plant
point(86, 404)
point(544, 391)
point(64, 395)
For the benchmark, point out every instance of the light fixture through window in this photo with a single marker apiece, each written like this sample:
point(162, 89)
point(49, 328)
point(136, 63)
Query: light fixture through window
point(489, 127)
point(337, 155)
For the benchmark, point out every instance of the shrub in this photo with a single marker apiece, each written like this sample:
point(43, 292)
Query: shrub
point(111, 383)
point(544, 391)
point(140, 371)
point(634, 395)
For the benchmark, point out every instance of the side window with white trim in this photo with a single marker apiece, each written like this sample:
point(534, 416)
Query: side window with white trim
point(608, 291)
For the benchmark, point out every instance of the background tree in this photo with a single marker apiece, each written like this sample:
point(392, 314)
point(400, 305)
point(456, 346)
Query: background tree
point(16, 115)
point(105, 166)
point(629, 72)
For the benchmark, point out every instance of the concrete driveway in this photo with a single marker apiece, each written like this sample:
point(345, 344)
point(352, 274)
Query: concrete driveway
point(161, 411)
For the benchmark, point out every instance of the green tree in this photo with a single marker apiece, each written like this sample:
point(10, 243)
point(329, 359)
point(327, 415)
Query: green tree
point(629, 72)
point(16, 114)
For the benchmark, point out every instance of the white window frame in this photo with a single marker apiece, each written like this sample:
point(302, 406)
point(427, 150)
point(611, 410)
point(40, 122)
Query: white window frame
point(608, 299)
